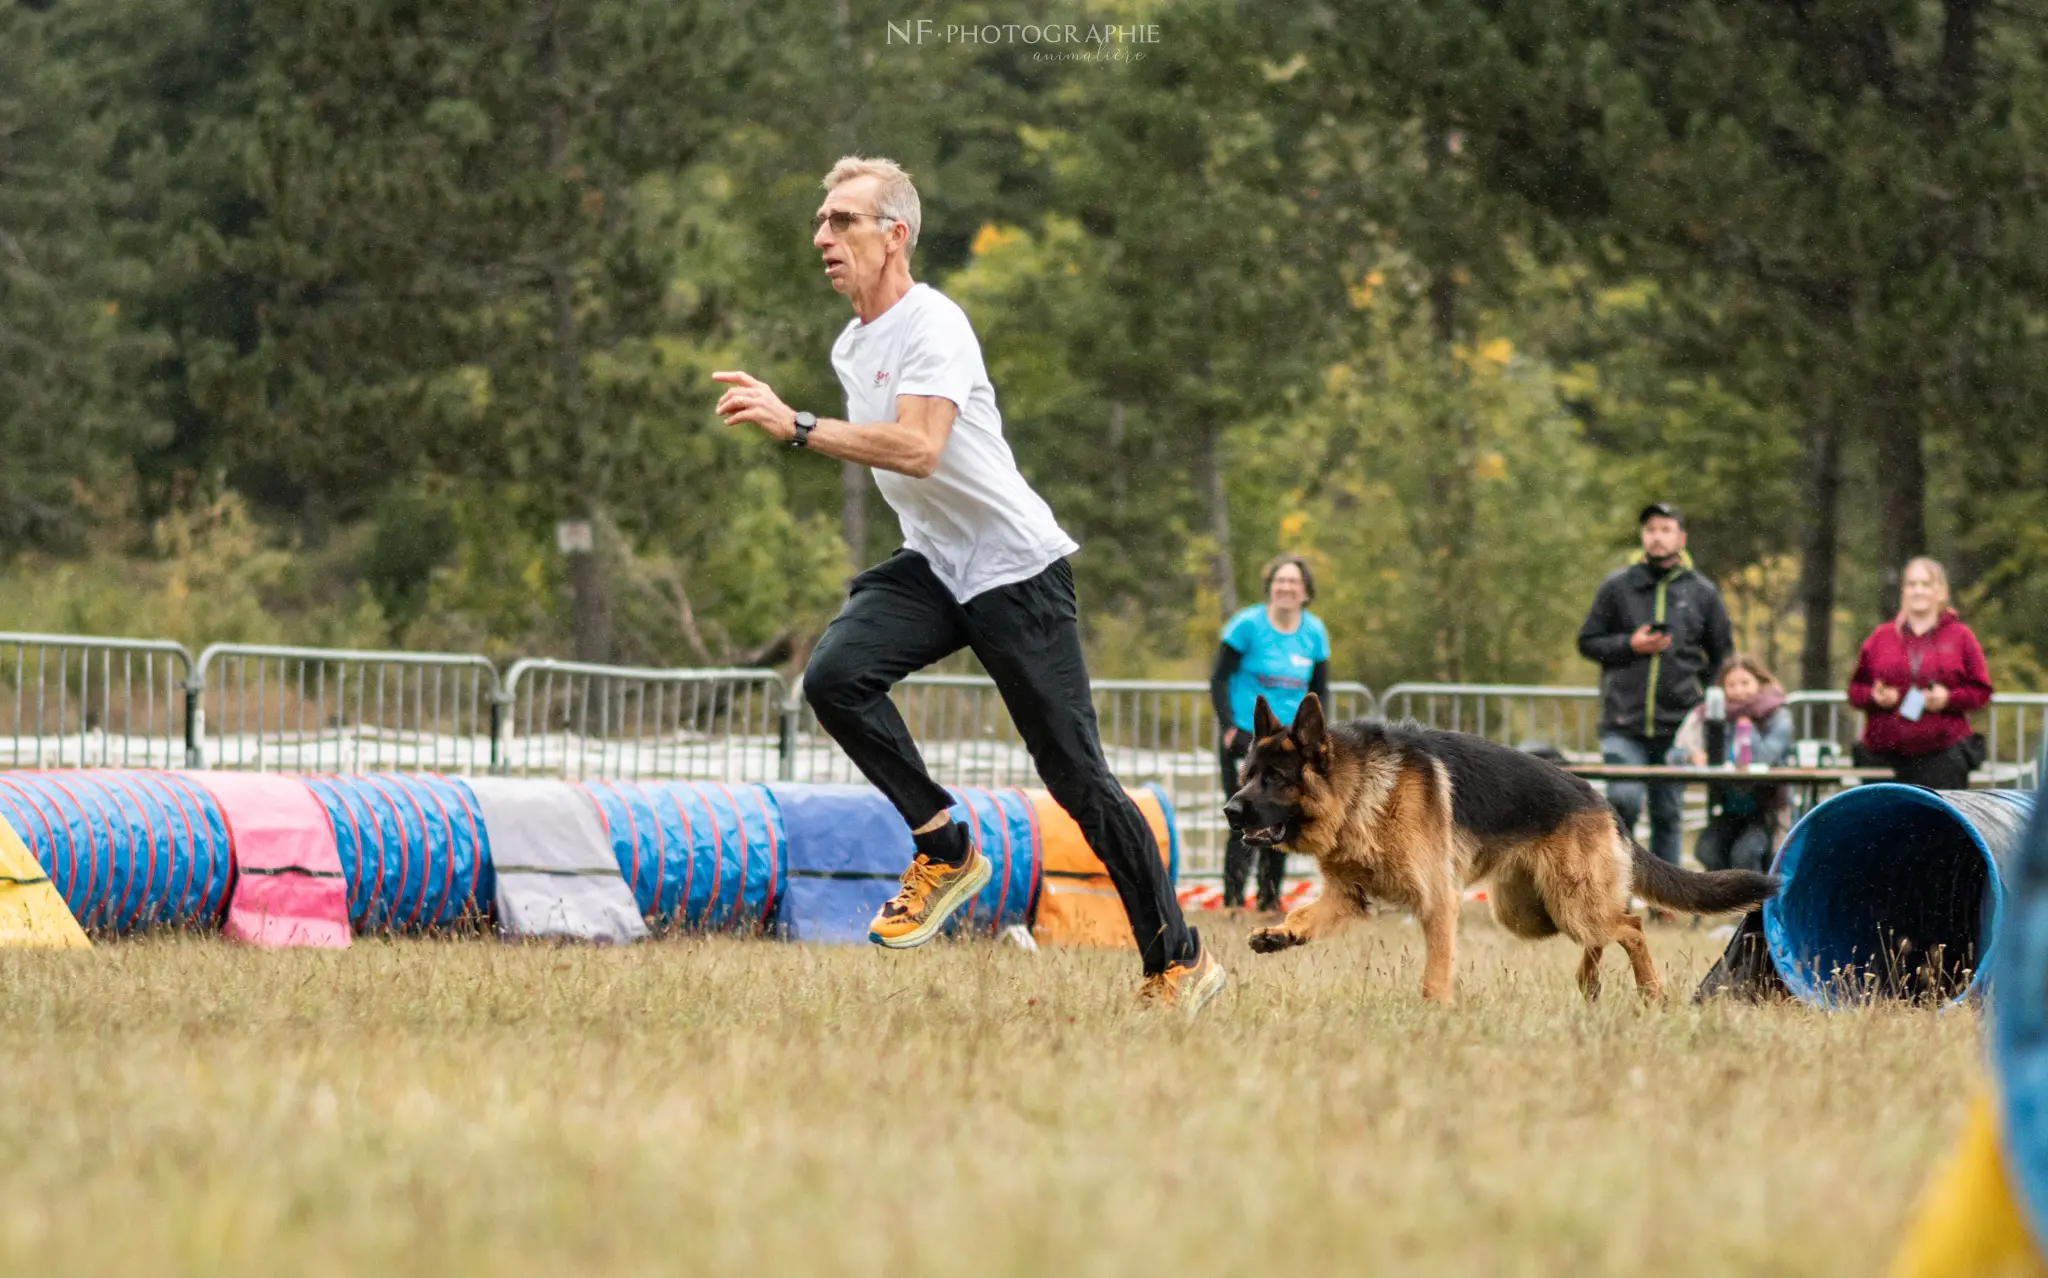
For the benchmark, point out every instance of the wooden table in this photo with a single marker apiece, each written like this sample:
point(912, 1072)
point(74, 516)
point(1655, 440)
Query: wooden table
point(1808, 780)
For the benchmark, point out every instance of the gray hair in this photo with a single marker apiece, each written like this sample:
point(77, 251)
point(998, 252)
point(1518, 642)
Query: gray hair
point(898, 201)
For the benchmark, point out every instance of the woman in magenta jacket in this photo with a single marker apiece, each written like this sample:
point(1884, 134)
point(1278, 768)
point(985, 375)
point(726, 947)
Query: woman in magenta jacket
point(1917, 679)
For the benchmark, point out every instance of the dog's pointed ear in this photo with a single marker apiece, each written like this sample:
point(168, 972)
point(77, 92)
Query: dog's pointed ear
point(1308, 724)
point(1264, 722)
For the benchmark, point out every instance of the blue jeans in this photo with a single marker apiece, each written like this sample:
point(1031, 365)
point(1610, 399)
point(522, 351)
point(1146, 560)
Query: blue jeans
point(1667, 798)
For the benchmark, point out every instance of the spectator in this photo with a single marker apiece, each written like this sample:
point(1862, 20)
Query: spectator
point(1918, 677)
point(1656, 628)
point(1278, 649)
point(1742, 820)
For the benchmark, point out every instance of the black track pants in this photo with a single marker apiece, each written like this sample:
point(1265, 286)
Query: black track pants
point(899, 619)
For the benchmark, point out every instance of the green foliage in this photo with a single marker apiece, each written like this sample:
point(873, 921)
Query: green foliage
point(501, 589)
point(213, 575)
point(769, 570)
point(1106, 456)
point(68, 415)
point(315, 320)
point(1840, 200)
point(1674, 423)
point(451, 199)
point(1448, 501)
point(410, 538)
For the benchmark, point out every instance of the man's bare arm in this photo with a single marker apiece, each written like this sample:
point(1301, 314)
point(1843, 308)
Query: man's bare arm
point(910, 445)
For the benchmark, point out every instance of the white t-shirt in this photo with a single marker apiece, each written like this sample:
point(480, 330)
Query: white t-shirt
point(975, 519)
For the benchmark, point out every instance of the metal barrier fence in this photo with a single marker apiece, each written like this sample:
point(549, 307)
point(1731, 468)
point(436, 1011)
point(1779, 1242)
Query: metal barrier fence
point(256, 707)
point(958, 721)
point(81, 702)
point(2014, 725)
point(569, 719)
point(1825, 716)
point(85, 702)
point(1565, 719)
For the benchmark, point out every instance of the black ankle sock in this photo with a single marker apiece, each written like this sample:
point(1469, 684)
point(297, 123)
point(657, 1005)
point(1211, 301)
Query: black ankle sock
point(946, 845)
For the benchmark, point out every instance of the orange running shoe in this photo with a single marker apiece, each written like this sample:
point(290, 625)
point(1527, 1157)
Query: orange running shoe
point(932, 893)
point(1187, 987)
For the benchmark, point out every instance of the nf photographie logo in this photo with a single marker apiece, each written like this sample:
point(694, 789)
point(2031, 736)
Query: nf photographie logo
point(1062, 41)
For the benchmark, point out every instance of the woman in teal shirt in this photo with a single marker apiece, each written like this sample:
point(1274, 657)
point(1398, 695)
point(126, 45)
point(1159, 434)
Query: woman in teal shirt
point(1280, 651)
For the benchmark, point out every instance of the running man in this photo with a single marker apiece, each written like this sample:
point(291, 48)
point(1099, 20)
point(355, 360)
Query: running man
point(983, 566)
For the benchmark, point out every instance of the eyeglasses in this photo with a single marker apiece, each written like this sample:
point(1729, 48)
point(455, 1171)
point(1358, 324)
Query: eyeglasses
point(842, 220)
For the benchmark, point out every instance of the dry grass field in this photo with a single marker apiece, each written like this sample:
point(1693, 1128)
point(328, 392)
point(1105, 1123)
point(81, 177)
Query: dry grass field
point(746, 1108)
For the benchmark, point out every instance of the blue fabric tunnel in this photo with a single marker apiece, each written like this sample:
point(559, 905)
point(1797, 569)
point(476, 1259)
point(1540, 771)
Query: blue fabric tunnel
point(2019, 1021)
point(1172, 831)
point(413, 849)
point(126, 849)
point(848, 848)
point(698, 855)
point(1004, 826)
point(1894, 891)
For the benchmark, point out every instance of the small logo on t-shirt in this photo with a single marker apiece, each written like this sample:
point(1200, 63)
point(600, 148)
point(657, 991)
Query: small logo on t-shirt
point(881, 377)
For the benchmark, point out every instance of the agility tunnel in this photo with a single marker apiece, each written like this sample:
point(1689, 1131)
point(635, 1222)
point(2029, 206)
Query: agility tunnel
point(698, 856)
point(414, 850)
point(1080, 905)
point(1985, 1210)
point(848, 848)
point(2019, 1033)
point(313, 860)
point(1003, 825)
point(125, 850)
point(32, 915)
point(1893, 891)
point(289, 888)
point(556, 873)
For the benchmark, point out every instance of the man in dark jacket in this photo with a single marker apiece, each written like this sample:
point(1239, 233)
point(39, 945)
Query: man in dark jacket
point(1659, 632)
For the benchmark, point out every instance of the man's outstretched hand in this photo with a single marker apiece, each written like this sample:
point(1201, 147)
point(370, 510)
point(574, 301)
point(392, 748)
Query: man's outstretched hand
point(753, 400)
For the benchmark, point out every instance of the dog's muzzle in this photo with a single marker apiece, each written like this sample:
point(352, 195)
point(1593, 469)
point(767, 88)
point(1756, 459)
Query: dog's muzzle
point(1240, 815)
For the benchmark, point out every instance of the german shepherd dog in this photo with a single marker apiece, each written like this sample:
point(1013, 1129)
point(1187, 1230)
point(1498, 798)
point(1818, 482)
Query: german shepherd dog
point(1410, 815)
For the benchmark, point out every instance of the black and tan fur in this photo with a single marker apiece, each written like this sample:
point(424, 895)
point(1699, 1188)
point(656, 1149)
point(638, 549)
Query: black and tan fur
point(1410, 816)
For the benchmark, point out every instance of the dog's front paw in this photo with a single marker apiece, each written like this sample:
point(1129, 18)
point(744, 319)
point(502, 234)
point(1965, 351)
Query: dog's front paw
point(1270, 940)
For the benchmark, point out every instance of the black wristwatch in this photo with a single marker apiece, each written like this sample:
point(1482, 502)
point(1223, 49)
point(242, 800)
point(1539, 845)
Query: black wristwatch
point(804, 422)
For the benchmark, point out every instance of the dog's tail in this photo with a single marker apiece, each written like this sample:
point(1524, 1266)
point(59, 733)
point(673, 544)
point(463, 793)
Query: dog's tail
point(1696, 892)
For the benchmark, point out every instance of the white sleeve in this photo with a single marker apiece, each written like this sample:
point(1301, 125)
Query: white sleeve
point(941, 358)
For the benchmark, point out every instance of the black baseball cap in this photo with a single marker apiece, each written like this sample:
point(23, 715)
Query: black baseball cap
point(1657, 509)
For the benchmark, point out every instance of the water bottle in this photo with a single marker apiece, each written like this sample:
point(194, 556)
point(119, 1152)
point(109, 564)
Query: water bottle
point(1743, 736)
point(1716, 727)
